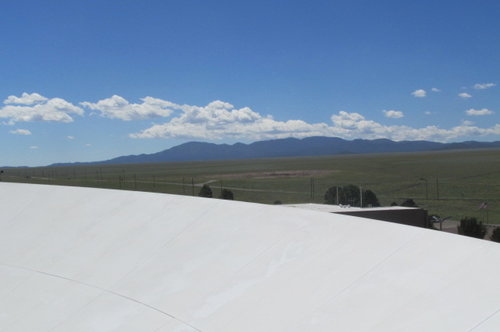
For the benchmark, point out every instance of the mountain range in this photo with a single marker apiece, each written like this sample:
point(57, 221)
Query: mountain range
point(286, 147)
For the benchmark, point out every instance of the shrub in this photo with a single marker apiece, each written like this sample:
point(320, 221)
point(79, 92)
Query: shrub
point(471, 227)
point(226, 194)
point(205, 191)
point(409, 202)
point(495, 236)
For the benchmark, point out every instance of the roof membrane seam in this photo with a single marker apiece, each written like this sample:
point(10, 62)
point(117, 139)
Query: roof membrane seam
point(485, 320)
point(101, 289)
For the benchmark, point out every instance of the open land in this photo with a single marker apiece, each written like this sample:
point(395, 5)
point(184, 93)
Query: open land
point(449, 183)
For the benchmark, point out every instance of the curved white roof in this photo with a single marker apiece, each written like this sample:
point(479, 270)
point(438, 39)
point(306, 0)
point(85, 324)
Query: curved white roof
point(82, 259)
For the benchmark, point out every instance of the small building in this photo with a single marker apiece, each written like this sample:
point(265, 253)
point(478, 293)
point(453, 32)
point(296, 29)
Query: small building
point(398, 214)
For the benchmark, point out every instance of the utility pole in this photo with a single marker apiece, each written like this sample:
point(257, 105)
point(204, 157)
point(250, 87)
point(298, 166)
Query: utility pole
point(360, 196)
point(437, 188)
point(337, 195)
point(426, 188)
point(313, 188)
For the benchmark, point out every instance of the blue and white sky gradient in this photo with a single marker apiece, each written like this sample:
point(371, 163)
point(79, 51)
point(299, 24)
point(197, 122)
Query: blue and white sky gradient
point(92, 80)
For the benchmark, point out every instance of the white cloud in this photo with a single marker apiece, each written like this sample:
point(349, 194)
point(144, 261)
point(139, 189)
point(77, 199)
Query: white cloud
point(393, 114)
point(464, 95)
point(34, 107)
point(25, 99)
point(220, 120)
point(357, 126)
point(20, 132)
point(482, 86)
point(34, 147)
point(88, 145)
point(474, 112)
point(118, 107)
point(427, 113)
point(420, 93)
point(70, 137)
point(435, 90)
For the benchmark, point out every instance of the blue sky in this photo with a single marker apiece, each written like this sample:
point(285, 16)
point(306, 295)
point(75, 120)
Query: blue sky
point(92, 80)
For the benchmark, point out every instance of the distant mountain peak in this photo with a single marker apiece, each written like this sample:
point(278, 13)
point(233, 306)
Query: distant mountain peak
point(286, 147)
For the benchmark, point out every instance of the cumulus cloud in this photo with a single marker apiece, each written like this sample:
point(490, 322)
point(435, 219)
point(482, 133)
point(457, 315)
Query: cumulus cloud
point(20, 132)
point(70, 137)
point(117, 107)
point(483, 111)
point(420, 93)
point(435, 90)
point(221, 120)
point(464, 95)
point(393, 114)
point(25, 99)
point(34, 107)
point(357, 126)
point(34, 147)
point(482, 86)
point(360, 127)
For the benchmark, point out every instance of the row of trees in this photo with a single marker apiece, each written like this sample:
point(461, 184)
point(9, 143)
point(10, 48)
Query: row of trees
point(206, 191)
point(470, 226)
point(351, 195)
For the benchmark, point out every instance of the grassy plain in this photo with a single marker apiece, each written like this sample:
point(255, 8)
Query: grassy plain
point(447, 183)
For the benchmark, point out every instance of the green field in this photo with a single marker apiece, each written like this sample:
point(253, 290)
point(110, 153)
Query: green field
point(450, 183)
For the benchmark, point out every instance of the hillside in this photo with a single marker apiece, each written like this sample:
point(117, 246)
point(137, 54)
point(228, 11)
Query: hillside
point(287, 147)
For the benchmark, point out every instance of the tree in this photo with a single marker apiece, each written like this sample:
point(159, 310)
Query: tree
point(370, 199)
point(409, 202)
point(226, 194)
point(205, 191)
point(331, 195)
point(350, 195)
point(471, 227)
point(495, 236)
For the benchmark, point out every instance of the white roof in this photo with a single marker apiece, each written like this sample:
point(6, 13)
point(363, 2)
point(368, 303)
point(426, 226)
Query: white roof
point(83, 259)
point(345, 208)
